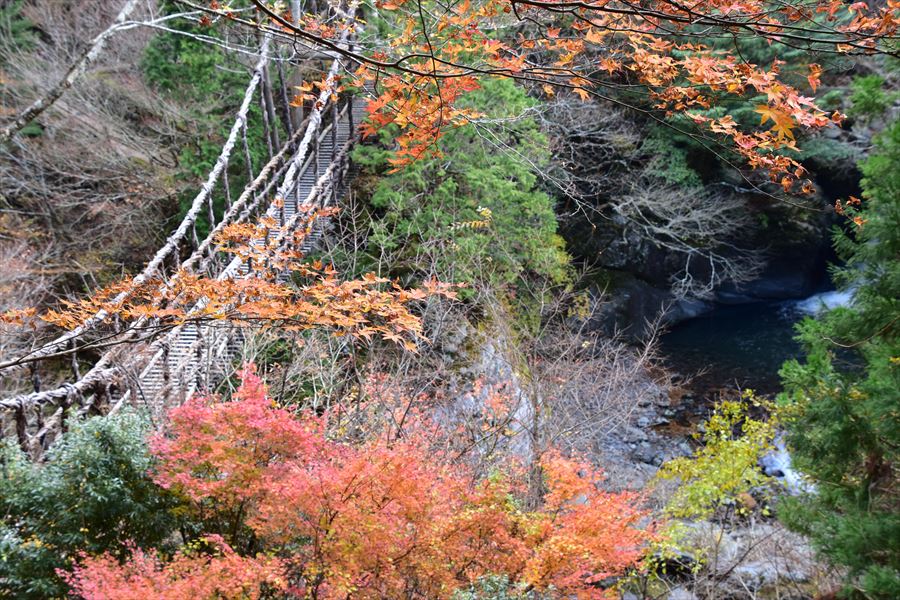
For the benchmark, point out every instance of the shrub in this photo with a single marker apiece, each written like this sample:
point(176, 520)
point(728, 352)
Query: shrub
point(92, 494)
point(382, 518)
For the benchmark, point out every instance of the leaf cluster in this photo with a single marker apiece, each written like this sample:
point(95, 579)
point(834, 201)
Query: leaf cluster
point(384, 517)
point(92, 493)
point(726, 465)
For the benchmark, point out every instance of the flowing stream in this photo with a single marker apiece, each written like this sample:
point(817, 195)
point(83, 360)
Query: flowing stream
point(743, 345)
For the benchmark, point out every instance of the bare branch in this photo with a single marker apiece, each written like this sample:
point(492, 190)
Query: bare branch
point(75, 72)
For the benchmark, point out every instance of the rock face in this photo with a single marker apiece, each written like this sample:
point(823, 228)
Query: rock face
point(753, 559)
point(631, 305)
point(630, 448)
point(797, 249)
point(632, 286)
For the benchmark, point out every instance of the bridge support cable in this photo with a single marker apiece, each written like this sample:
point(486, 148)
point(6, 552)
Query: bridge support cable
point(199, 260)
point(189, 336)
point(167, 367)
point(173, 242)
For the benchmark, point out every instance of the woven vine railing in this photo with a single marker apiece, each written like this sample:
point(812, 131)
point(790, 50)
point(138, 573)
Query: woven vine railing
point(153, 367)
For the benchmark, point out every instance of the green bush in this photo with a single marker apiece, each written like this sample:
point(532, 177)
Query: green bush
point(668, 158)
point(17, 32)
point(869, 98)
point(92, 494)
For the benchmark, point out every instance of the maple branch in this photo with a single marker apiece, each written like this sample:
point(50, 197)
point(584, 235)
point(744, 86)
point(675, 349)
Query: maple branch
point(756, 27)
point(541, 75)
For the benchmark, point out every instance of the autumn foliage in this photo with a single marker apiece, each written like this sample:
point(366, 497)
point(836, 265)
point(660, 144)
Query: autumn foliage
point(597, 49)
point(281, 289)
point(189, 574)
point(310, 516)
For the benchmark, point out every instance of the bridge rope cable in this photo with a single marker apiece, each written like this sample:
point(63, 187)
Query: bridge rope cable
point(298, 165)
point(234, 268)
point(172, 242)
point(247, 203)
point(105, 370)
point(202, 256)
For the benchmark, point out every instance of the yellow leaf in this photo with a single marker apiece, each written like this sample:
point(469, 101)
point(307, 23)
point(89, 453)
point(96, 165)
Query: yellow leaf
point(782, 123)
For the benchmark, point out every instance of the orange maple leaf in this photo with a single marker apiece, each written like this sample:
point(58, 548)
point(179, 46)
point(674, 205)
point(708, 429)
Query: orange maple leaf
point(782, 123)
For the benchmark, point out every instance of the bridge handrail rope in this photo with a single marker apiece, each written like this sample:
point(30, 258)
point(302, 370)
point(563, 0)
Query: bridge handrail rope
point(202, 256)
point(325, 182)
point(104, 371)
point(234, 267)
point(113, 364)
point(301, 161)
point(173, 241)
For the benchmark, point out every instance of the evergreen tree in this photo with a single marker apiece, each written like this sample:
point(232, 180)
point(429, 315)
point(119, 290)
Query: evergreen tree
point(475, 213)
point(92, 494)
point(845, 399)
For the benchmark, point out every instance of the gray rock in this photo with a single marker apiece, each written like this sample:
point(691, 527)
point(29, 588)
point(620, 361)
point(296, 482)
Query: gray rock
point(663, 400)
point(681, 593)
point(756, 575)
point(633, 434)
point(648, 454)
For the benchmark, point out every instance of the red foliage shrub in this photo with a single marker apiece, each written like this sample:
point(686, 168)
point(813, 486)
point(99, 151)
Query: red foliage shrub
point(187, 575)
point(380, 519)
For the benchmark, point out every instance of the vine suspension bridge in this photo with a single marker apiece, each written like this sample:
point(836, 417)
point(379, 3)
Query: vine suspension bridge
point(153, 367)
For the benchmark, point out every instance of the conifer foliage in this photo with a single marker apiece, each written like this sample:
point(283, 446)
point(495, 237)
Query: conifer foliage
point(846, 428)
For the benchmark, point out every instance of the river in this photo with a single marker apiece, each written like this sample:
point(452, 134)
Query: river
point(742, 345)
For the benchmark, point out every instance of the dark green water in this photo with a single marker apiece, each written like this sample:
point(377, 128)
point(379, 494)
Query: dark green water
point(742, 345)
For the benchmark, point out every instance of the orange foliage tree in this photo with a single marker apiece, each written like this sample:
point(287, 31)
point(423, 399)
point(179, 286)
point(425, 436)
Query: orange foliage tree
point(387, 517)
point(603, 49)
